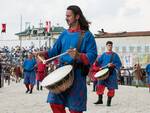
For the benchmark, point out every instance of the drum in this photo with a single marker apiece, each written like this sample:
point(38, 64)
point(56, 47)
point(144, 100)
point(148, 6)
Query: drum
point(59, 80)
point(102, 74)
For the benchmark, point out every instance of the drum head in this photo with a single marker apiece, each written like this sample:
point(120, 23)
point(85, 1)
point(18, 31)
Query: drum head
point(101, 72)
point(57, 75)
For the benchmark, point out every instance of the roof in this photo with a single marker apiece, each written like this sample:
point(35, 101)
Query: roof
point(24, 33)
point(121, 34)
point(28, 31)
point(58, 29)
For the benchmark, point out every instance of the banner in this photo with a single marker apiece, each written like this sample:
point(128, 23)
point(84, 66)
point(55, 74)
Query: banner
point(3, 28)
point(48, 26)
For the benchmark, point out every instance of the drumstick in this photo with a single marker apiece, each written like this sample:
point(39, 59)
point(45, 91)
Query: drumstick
point(41, 59)
point(56, 56)
point(106, 66)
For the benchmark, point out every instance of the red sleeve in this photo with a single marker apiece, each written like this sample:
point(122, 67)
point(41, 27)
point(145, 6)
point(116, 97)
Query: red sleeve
point(84, 58)
point(96, 67)
point(46, 55)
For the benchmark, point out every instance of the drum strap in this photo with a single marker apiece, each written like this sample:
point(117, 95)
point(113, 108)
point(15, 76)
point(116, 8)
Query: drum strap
point(112, 57)
point(84, 69)
point(111, 60)
point(80, 40)
point(79, 44)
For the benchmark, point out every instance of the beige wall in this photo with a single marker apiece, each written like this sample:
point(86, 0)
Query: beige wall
point(131, 49)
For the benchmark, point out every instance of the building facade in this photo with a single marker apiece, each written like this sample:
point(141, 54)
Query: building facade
point(133, 47)
point(39, 36)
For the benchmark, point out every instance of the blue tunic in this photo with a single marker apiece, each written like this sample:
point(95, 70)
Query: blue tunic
point(74, 98)
point(148, 72)
point(148, 69)
point(29, 72)
point(111, 82)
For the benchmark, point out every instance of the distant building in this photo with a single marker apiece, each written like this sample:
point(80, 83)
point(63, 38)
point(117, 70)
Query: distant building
point(133, 47)
point(40, 34)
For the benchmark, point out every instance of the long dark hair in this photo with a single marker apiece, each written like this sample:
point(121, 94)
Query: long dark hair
point(84, 25)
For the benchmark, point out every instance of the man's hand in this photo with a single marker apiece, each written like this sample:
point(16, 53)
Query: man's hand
point(35, 54)
point(44, 62)
point(111, 65)
point(74, 53)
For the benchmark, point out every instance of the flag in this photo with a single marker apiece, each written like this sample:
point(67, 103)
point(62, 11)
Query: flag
point(3, 28)
point(48, 26)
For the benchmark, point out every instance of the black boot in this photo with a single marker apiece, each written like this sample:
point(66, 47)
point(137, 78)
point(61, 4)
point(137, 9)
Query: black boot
point(109, 101)
point(37, 87)
point(41, 88)
point(27, 90)
point(94, 88)
point(30, 91)
point(100, 101)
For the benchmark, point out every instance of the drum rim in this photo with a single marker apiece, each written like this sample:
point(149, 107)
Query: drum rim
point(103, 75)
point(96, 75)
point(45, 85)
point(60, 81)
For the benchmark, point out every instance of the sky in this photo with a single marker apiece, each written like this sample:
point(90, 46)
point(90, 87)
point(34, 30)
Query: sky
point(111, 15)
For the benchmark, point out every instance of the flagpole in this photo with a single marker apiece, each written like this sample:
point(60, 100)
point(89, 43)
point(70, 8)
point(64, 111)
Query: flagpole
point(20, 37)
point(51, 33)
point(40, 26)
point(20, 31)
point(49, 30)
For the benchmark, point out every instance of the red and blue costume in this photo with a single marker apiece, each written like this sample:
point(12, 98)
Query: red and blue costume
point(93, 70)
point(74, 98)
point(29, 71)
point(111, 82)
point(41, 71)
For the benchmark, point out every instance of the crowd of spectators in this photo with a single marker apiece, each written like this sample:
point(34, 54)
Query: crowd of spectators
point(11, 60)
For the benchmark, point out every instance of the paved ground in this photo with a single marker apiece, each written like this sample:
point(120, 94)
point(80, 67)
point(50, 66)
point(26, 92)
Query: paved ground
point(127, 100)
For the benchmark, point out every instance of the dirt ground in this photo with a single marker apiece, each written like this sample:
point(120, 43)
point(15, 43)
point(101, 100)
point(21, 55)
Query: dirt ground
point(128, 99)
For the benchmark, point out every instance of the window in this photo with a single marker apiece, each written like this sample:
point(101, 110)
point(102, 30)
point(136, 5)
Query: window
point(139, 49)
point(147, 49)
point(102, 49)
point(131, 49)
point(117, 49)
point(124, 49)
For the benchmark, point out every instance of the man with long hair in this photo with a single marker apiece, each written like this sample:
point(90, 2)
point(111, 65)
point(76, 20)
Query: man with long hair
point(75, 98)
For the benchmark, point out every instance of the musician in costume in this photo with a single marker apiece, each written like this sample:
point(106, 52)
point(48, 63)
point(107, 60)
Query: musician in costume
point(93, 70)
point(112, 61)
point(29, 72)
point(75, 98)
point(40, 72)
